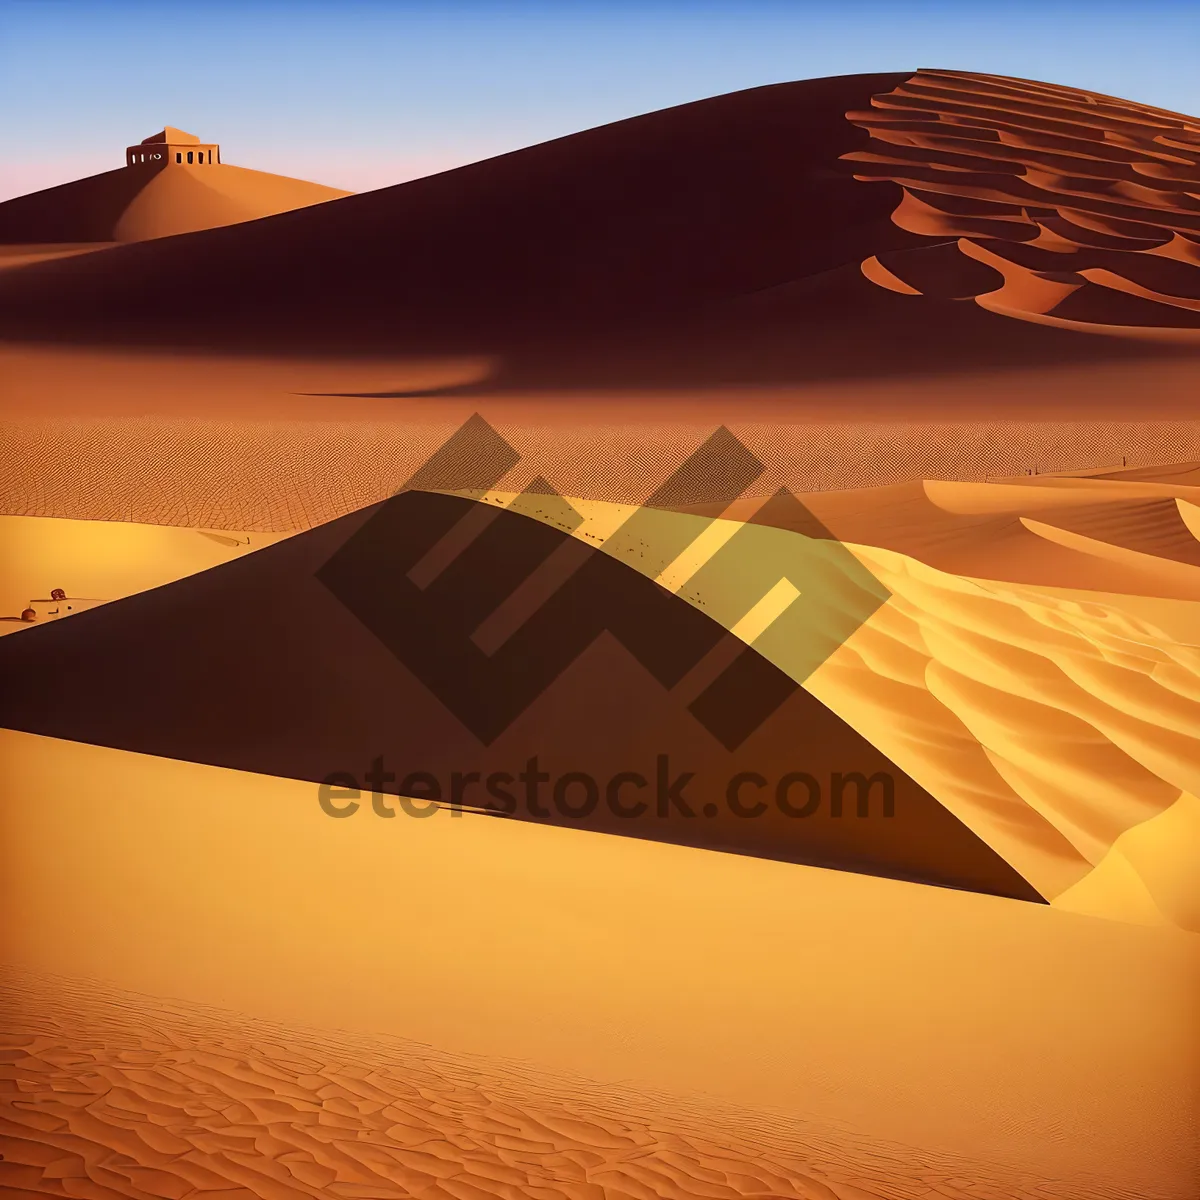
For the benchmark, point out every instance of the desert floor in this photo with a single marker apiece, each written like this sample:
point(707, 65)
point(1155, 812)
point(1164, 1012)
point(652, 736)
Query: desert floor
point(725, 1026)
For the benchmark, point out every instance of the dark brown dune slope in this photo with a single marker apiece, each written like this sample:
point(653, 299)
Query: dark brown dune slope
point(259, 665)
point(716, 242)
point(692, 204)
point(84, 210)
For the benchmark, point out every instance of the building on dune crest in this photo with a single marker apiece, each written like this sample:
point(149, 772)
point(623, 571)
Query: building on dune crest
point(170, 183)
point(172, 144)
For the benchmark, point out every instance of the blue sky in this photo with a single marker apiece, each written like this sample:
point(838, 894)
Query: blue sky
point(361, 95)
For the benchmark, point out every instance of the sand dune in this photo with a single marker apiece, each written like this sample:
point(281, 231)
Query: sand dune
point(952, 321)
point(612, 674)
point(1053, 725)
point(1012, 677)
point(830, 1029)
point(132, 204)
point(719, 240)
point(706, 267)
point(1078, 208)
point(105, 559)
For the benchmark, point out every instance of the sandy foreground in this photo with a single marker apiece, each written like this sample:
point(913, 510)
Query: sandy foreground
point(1039, 1052)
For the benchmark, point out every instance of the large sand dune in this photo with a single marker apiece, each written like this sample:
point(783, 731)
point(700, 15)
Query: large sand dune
point(706, 264)
point(132, 204)
point(782, 1031)
point(723, 224)
point(1031, 688)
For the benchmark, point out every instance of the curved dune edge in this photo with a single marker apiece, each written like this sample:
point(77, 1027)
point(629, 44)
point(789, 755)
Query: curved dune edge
point(1041, 492)
point(1084, 206)
point(1182, 337)
point(1147, 874)
point(877, 273)
point(1183, 574)
point(1048, 724)
point(1049, 720)
point(1190, 515)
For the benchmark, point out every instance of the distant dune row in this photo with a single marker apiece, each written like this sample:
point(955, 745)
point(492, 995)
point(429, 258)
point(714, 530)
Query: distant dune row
point(263, 475)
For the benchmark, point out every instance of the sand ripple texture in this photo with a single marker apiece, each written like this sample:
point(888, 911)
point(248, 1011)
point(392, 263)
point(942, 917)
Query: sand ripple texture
point(271, 476)
point(1053, 707)
point(105, 1094)
point(1049, 204)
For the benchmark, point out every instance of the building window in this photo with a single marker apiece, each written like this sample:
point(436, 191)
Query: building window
point(210, 156)
point(179, 156)
point(189, 156)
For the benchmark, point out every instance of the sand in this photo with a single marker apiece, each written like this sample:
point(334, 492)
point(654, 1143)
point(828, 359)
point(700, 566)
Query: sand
point(866, 1010)
point(957, 316)
point(132, 204)
point(1058, 723)
point(1050, 204)
point(106, 560)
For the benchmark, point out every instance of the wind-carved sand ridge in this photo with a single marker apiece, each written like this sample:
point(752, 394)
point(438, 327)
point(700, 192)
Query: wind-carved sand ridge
point(1062, 726)
point(1052, 204)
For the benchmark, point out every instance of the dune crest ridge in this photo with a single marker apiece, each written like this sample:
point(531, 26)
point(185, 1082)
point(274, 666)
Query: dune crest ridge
point(1058, 724)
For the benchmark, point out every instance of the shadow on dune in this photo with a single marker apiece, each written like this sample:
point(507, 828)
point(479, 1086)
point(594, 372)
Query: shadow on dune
point(256, 665)
point(836, 326)
point(716, 242)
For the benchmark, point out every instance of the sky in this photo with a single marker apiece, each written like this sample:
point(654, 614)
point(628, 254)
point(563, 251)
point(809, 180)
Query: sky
point(362, 95)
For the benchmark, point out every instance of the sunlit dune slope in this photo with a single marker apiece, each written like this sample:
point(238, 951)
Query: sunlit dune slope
point(1103, 533)
point(104, 560)
point(132, 204)
point(1061, 725)
point(781, 1031)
